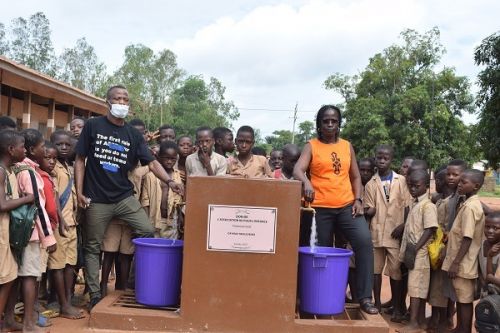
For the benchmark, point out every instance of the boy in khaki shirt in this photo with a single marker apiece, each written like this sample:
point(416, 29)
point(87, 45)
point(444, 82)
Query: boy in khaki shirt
point(419, 229)
point(437, 298)
point(162, 204)
point(62, 261)
point(386, 196)
point(464, 244)
point(247, 164)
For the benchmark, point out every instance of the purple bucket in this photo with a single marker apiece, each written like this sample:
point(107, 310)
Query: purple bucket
point(158, 269)
point(323, 279)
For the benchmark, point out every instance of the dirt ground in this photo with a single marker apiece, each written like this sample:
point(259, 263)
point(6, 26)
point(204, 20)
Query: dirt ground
point(62, 325)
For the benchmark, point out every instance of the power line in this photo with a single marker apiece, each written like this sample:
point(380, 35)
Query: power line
point(275, 110)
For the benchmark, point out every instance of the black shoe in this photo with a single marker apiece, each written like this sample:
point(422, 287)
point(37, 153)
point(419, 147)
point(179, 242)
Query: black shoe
point(93, 302)
point(368, 307)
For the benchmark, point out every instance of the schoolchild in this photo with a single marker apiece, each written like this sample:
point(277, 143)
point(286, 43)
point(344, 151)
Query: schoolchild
point(464, 244)
point(489, 256)
point(76, 126)
point(246, 164)
point(42, 238)
point(185, 145)
point(454, 170)
point(7, 122)
point(276, 159)
point(224, 141)
point(405, 165)
point(386, 196)
point(366, 170)
point(417, 165)
point(62, 261)
point(259, 151)
point(437, 298)
point(419, 229)
point(163, 205)
point(291, 154)
point(166, 133)
point(11, 152)
point(205, 162)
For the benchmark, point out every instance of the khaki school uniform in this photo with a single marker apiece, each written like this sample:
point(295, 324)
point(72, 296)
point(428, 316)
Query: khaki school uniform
point(483, 262)
point(8, 265)
point(468, 223)
point(195, 168)
point(256, 167)
point(389, 214)
point(422, 215)
point(118, 235)
point(437, 296)
point(66, 252)
point(151, 198)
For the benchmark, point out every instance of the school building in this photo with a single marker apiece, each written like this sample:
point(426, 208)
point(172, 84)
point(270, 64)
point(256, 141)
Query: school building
point(38, 101)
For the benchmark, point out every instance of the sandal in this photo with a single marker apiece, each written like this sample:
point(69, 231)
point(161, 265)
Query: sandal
point(368, 307)
point(43, 321)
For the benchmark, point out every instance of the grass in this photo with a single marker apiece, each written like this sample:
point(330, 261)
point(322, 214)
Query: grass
point(495, 194)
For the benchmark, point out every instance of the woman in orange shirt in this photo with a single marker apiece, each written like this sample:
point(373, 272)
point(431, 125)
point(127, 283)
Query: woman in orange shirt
point(334, 190)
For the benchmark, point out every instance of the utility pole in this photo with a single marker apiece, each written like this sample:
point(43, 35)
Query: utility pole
point(294, 121)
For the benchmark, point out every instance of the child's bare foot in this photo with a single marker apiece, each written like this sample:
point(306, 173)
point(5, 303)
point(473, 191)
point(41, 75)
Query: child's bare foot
point(35, 329)
point(411, 328)
point(10, 326)
point(71, 312)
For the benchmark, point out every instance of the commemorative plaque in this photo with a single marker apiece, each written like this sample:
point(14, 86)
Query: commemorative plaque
point(241, 229)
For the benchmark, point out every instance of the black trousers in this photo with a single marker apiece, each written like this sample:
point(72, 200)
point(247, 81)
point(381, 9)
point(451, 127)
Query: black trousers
point(356, 231)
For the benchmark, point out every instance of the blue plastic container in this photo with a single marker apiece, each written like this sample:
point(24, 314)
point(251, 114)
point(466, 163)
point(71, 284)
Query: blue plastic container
point(158, 270)
point(323, 279)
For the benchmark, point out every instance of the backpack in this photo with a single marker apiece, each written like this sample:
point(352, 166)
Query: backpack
point(488, 314)
point(22, 219)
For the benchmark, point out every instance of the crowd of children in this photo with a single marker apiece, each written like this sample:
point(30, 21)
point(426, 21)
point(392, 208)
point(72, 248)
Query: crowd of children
point(403, 218)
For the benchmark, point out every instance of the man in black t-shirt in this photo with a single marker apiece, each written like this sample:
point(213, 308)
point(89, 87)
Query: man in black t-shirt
point(107, 149)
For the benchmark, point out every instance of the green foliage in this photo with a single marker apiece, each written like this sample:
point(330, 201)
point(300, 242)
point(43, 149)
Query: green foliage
point(400, 99)
point(4, 43)
point(488, 99)
point(31, 43)
point(80, 67)
point(279, 139)
point(196, 103)
point(282, 137)
point(150, 79)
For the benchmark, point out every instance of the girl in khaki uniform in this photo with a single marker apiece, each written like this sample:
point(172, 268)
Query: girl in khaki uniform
point(11, 151)
point(420, 226)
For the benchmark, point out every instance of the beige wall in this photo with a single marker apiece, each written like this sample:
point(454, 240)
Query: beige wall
point(39, 114)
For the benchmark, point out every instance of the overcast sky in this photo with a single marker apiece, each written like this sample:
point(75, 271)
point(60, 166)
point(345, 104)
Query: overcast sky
point(269, 54)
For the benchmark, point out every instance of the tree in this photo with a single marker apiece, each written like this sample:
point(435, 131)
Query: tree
point(279, 139)
point(4, 44)
point(150, 79)
point(80, 67)
point(400, 99)
point(488, 99)
point(32, 45)
point(306, 133)
point(196, 103)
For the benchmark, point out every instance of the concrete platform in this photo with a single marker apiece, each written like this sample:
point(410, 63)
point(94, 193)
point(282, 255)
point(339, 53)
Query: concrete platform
point(118, 311)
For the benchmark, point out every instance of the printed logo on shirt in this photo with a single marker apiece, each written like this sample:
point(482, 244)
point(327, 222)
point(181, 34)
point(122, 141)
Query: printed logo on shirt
point(336, 163)
point(111, 152)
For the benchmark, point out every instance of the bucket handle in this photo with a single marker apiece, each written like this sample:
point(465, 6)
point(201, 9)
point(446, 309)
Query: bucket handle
point(319, 261)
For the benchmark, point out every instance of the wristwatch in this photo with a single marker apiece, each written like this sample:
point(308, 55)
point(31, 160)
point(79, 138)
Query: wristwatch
point(359, 199)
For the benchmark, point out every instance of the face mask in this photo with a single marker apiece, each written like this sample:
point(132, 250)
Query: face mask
point(119, 110)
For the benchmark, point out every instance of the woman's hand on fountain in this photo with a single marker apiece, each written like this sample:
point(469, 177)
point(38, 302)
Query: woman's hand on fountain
point(308, 192)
